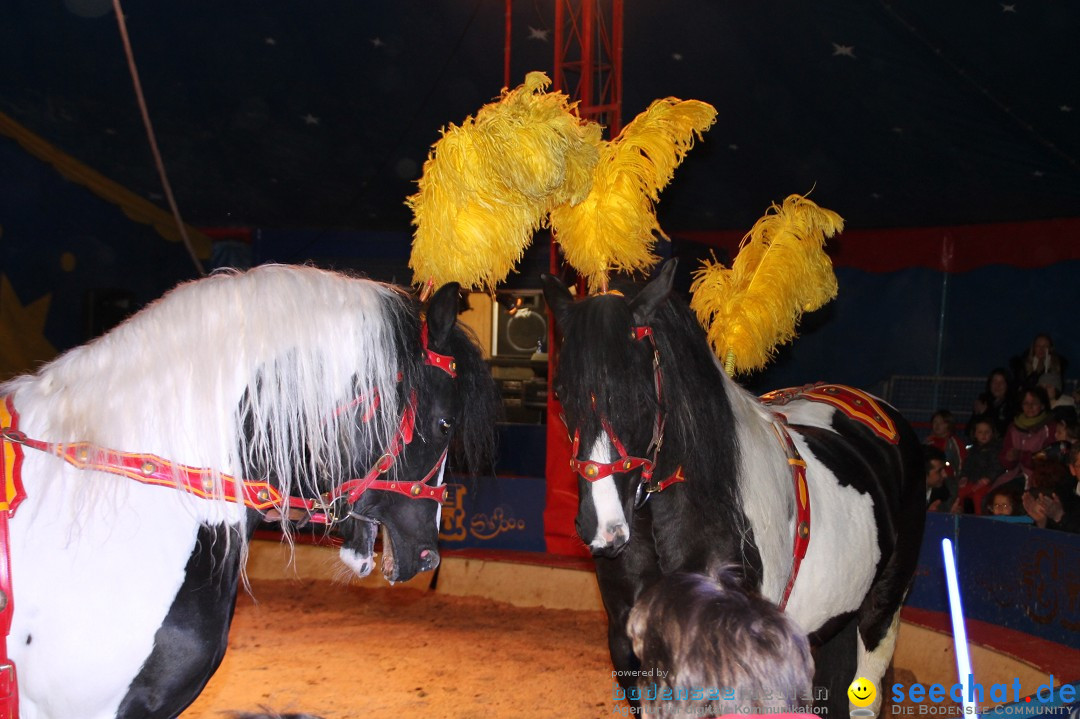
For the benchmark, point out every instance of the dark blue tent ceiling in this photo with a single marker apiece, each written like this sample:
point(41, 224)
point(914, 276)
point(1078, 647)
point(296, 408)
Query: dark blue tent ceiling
point(320, 114)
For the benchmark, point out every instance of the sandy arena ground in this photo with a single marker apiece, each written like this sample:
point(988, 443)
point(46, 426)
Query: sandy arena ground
point(342, 651)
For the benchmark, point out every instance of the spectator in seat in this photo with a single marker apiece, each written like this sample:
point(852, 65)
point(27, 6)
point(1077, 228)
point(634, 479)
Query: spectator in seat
point(1039, 365)
point(1030, 433)
point(934, 466)
point(943, 436)
point(981, 467)
point(997, 402)
point(1052, 501)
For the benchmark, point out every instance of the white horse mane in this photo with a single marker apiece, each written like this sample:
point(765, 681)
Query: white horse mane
point(299, 341)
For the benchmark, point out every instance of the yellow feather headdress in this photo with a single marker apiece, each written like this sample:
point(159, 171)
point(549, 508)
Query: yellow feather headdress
point(780, 271)
point(489, 184)
point(613, 229)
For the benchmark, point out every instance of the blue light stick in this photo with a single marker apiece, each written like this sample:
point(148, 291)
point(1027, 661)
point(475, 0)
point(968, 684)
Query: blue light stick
point(956, 612)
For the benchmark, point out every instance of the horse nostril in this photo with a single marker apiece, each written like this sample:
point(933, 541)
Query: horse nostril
point(429, 559)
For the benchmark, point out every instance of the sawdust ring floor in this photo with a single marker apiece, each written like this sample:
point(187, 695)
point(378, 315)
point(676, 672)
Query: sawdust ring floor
point(342, 651)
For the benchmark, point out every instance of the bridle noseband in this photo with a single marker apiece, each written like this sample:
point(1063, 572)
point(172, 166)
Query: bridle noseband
point(592, 471)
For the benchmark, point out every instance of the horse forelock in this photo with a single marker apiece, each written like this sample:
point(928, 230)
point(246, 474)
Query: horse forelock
point(604, 373)
point(277, 349)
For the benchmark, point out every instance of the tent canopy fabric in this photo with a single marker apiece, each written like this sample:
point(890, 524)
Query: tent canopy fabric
point(283, 115)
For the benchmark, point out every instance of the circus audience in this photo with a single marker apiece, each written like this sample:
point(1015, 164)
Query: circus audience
point(1039, 365)
point(1051, 500)
point(716, 648)
point(997, 402)
point(1004, 502)
point(981, 467)
point(943, 436)
point(1031, 431)
point(934, 466)
point(1066, 434)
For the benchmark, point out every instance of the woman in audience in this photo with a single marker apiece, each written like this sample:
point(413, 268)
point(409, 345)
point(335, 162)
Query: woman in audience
point(997, 403)
point(1030, 432)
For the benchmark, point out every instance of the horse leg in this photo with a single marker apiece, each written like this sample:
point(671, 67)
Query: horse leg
point(621, 579)
point(190, 644)
point(874, 661)
point(834, 667)
point(879, 615)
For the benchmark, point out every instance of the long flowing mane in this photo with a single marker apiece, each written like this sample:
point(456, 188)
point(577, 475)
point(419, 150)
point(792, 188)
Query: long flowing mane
point(602, 360)
point(278, 349)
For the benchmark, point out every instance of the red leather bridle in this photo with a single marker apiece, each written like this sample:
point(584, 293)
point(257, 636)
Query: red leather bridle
point(592, 471)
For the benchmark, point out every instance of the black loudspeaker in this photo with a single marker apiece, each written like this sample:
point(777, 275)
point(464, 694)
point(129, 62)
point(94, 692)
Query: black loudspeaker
point(105, 308)
point(520, 322)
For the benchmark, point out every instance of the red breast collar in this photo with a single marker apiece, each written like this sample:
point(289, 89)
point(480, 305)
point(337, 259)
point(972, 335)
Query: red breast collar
point(199, 481)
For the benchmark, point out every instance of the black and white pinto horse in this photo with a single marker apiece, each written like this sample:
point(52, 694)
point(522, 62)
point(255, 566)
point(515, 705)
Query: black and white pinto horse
point(681, 470)
point(148, 457)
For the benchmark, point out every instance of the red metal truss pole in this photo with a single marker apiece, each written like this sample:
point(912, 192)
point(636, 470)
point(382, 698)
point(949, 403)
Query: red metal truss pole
point(588, 58)
point(588, 68)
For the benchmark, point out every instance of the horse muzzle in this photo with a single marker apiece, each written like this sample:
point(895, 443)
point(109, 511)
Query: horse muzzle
point(610, 540)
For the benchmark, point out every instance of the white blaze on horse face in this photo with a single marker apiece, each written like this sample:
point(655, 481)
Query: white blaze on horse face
point(360, 565)
point(610, 519)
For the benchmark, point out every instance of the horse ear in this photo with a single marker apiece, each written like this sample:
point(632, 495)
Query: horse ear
point(442, 311)
point(558, 297)
point(654, 294)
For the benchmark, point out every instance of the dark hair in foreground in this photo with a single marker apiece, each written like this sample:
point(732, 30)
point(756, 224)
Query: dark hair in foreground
point(709, 634)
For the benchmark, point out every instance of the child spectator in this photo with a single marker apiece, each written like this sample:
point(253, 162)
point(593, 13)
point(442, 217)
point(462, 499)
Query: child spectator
point(1030, 432)
point(981, 466)
point(709, 633)
point(1004, 502)
point(943, 436)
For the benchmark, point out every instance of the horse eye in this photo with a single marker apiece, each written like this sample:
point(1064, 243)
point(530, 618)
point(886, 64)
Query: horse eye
point(445, 425)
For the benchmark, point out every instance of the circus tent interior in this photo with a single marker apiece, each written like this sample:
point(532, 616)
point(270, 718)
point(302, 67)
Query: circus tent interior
point(946, 135)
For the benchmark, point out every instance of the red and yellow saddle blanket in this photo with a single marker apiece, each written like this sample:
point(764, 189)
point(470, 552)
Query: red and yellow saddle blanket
point(855, 404)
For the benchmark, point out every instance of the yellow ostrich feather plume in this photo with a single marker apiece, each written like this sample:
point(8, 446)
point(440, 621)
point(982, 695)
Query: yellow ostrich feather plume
point(614, 229)
point(780, 271)
point(489, 184)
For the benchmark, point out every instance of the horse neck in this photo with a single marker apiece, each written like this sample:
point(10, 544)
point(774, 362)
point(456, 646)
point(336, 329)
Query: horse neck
point(733, 462)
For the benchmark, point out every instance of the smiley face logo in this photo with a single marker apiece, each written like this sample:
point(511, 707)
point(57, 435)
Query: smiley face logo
point(862, 692)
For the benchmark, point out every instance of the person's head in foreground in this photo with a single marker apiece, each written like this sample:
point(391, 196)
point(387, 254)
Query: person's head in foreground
point(715, 648)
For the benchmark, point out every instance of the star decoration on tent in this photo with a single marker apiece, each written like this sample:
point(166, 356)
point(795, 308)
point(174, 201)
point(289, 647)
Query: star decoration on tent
point(310, 119)
point(843, 50)
point(1007, 8)
point(22, 331)
point(538, 34)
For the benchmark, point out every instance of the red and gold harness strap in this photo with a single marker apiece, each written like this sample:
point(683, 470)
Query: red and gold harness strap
point(802, 506)
point(12, 494)
point(854, 403)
